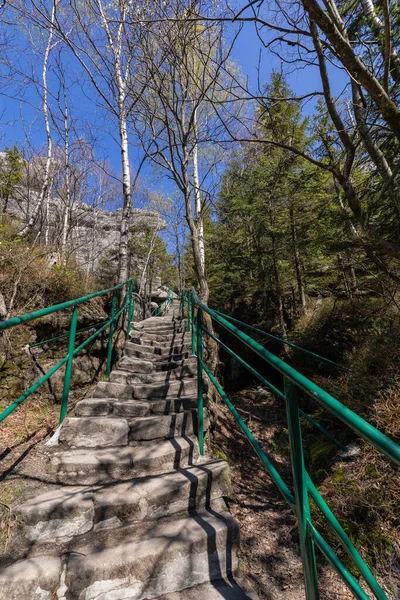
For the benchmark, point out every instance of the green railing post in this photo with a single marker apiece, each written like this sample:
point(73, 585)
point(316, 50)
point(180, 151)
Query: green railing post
point(193, 319)
point(200, 407)
point(131, 310)
point(111, 335)
point(301, 492)
point(188, 311)
point(68, 367)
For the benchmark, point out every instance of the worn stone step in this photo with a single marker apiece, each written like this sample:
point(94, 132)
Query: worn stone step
point(87, 466)
point(102, 407)
point(100, 432)
point(153, 352)
point(162, 328)
point(160, 336)
point(165, 426)
point(126, 377)
point(35, 578)
point(160, 323)
point(113, 431)
point(135, 365)
point(175, 341)
point(64, 513)
point(175, 389)
point(172, 361)
point(107, 389)
point(166, 557)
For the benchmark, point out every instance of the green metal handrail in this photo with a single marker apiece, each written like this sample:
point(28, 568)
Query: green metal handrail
point(128, 305)
point(303, 486)
point(164, 306)
point(277, 339)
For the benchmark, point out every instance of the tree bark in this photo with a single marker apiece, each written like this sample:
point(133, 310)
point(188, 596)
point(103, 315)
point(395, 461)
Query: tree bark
point(336, 34)
point(297, 261)
point(197, 196)
point(378, 29)
point(46, 179)
point(275, 268)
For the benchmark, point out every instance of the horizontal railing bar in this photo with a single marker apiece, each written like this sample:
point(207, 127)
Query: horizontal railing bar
point(92, 337)
point(57, 307)
point(369, 433)
point(48, 374)
point(337, 564)
point(322, 429)
point(245, 364)
point(64, 335)
point(285, 491)
point(121, 310)
point(278, 339)
point(32, 389)
point(272, 387)
point(344, 538)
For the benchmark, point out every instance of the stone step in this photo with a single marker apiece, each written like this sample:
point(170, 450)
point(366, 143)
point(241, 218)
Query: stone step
point(107, 389)
point(161, 337)
point(161, 342)
point(160, 323)
point(113, 431)
point(170, 426)
point(166, 327)
point(131, 562)
point(152, 352)
point(168, 556)
point(175, 389)
point(163, 364)
point(64, 513)
point(126, 377)
point(135, 365)
point(86, 466)
point(99, 432)
point(102, 407)
point(172, 361)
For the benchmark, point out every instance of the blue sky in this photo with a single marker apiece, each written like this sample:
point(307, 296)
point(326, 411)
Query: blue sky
point(245, 52)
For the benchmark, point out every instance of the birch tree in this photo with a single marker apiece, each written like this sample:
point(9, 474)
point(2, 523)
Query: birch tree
point(46, 185)
point(187, 63)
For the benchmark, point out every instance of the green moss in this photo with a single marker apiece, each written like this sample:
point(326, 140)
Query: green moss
point(320, 455)
point(338, 475)
point(216, 450)
point(371, 471)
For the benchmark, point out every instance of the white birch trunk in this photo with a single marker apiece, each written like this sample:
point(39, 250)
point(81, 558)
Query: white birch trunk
point(197, 195)
point(47, 179)
point(120, 81)
point(67, 207)
point(378, 28)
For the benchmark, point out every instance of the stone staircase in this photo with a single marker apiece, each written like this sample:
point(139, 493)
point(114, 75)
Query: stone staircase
point(133, 511)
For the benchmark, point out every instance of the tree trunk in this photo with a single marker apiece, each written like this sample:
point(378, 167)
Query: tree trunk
point(275, 268)
point(299, 269)
point(126, 186)
point(67, 207)
point(47, 179)
point(378, 29)
point(197, 195)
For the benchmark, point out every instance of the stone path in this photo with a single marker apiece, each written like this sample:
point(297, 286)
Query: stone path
point(136, 513)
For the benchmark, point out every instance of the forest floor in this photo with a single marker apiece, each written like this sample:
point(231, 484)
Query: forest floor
point(269, 554)
point(21, 435)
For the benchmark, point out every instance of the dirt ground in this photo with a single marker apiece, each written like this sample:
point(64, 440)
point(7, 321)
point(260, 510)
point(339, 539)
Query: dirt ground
point(269, 554)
